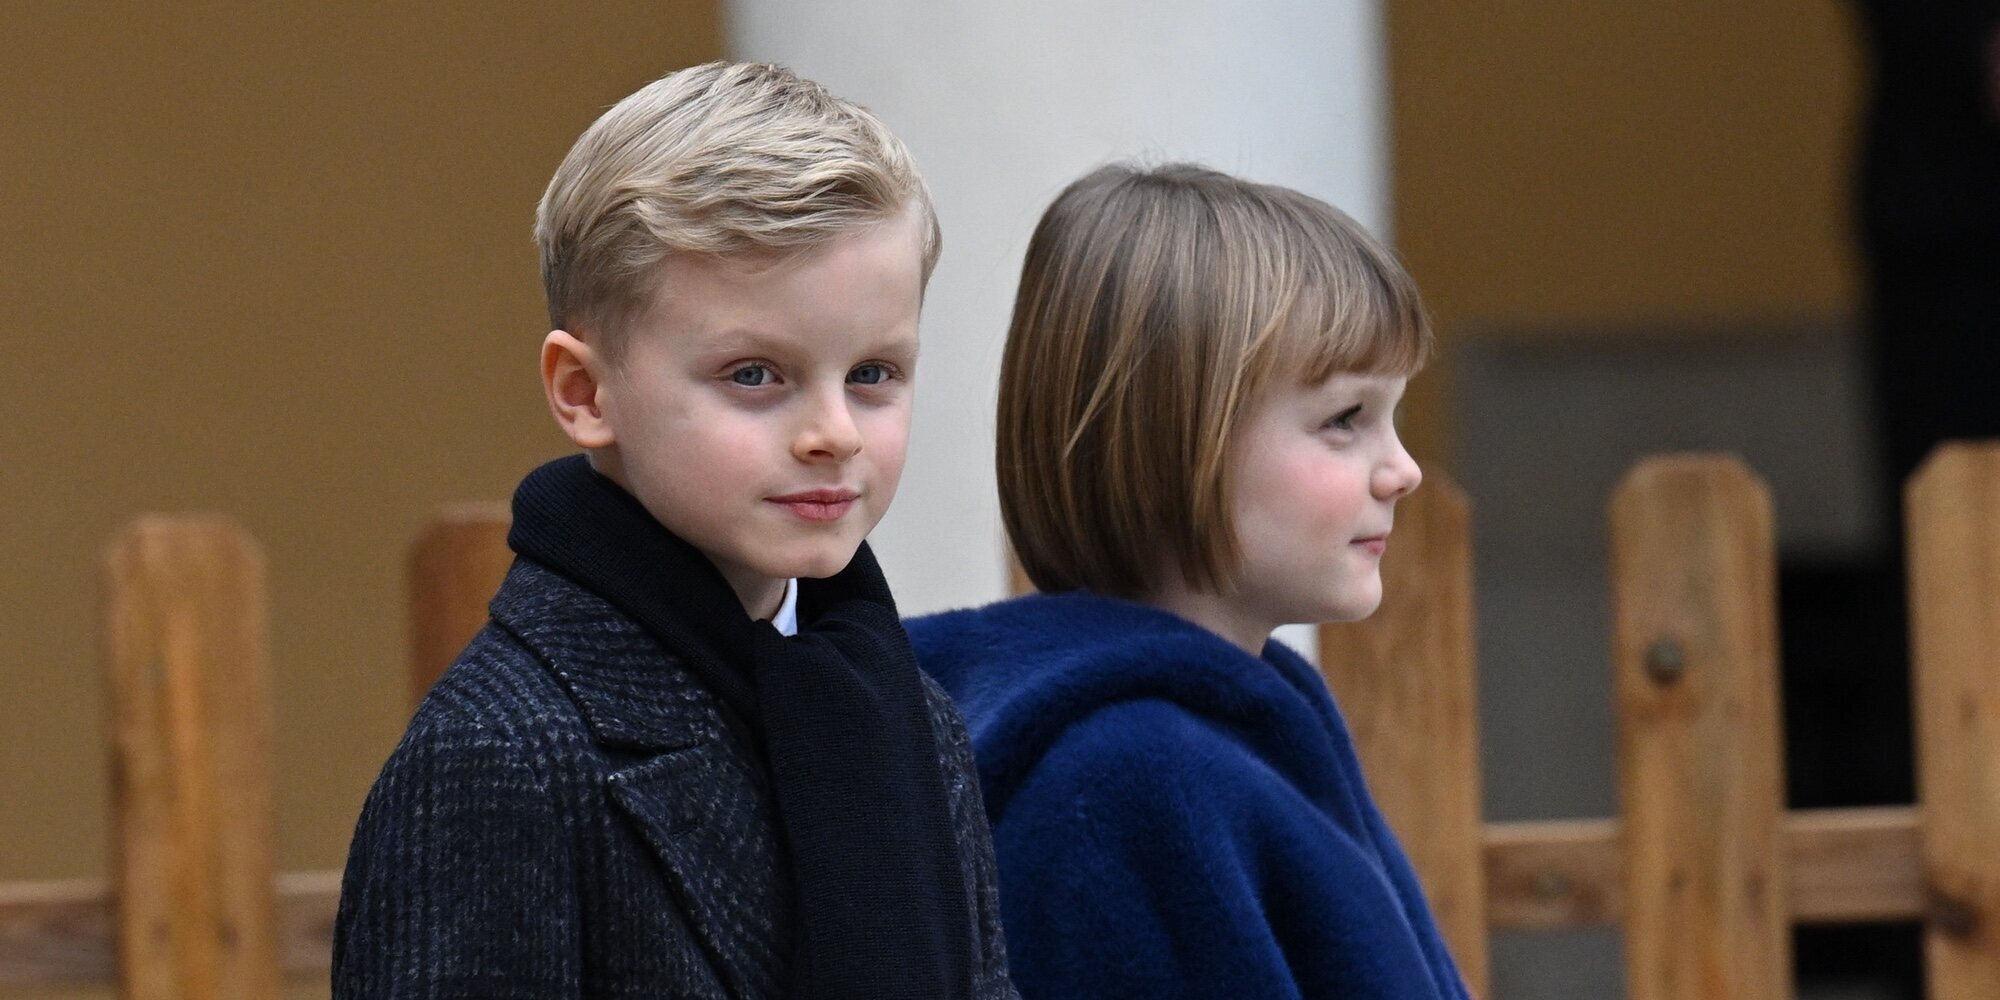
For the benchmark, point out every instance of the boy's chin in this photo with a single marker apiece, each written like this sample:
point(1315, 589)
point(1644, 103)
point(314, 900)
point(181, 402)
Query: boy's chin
point(818, 564)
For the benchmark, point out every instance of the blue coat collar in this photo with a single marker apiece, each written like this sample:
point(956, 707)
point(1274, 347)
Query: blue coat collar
point(1022, 670)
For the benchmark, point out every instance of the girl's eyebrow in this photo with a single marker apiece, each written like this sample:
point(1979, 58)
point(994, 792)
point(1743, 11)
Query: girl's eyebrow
point(1347, 384)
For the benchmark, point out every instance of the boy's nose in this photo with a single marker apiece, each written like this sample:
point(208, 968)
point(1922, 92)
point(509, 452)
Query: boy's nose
point(829, 433)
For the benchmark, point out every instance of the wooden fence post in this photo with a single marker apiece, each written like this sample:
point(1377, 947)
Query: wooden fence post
point(1701, 783)
point(456, 565)
point(1406, 683)
point(188, 683)
point(1954, 552)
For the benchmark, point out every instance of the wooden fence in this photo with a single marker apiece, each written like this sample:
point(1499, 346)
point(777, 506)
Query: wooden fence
point(1704, 868)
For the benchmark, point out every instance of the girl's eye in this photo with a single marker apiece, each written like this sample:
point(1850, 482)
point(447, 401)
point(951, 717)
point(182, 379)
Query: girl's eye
point(1344, 420)
point(753, 375)
point(869, 375)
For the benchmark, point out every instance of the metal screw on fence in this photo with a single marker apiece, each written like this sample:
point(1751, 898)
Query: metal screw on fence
point(1549, 885)
point(1665, 663)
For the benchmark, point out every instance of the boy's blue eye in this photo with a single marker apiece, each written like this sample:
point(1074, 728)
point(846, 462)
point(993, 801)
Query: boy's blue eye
point(752, 375)
point(1344, 420)
point(869, 375)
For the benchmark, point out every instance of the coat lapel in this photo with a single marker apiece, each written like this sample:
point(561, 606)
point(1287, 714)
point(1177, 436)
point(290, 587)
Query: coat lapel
point(696, 795)
point(714, 838)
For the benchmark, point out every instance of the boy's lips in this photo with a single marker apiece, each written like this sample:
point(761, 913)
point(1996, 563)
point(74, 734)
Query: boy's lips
point(1374, 544)
point(817, 505)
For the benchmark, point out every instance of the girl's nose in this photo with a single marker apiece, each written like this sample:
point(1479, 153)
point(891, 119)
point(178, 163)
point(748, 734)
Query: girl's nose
point(1399, 475)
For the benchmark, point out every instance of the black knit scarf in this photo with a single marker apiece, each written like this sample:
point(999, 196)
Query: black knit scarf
point(840, 713)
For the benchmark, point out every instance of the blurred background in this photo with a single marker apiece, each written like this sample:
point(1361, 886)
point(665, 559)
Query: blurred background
point(274, 260)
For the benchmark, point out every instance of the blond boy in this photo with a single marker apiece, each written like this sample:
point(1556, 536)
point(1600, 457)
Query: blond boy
point(691, 755)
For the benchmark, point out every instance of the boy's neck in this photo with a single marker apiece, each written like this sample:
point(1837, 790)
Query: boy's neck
point(761, 595)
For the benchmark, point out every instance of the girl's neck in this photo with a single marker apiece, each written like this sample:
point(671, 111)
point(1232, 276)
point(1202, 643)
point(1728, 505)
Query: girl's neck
point(1214, 612)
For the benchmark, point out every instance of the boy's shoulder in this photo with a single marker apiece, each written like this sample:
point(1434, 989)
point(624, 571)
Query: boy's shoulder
point(563, 740)
point(558, 663)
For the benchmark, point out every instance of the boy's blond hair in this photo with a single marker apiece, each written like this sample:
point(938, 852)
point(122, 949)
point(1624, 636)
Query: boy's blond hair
point(1155, 305)
point(720, 160)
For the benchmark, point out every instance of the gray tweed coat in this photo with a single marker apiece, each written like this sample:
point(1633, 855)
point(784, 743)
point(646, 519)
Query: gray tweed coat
point(571, 814)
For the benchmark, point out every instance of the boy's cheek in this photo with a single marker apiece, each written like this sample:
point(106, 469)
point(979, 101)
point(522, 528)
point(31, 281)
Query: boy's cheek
point(888, 436)
point(889, 474)
point(728, 441)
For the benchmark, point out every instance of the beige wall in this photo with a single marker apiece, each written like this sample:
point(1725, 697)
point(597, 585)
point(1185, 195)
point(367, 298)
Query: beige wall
point(272, 260)
point(1566, 164)
point(1583, 163)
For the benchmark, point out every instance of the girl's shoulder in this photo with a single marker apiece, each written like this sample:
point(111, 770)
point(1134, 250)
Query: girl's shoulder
point(1021, 654)
point(1089, 645)
point(1082, 677)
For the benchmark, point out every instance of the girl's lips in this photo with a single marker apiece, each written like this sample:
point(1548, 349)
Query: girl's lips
point(1374, 546)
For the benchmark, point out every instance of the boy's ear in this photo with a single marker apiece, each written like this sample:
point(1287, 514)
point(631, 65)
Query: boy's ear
point(572, 378)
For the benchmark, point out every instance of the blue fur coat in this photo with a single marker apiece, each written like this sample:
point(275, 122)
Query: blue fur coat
point(1174, 817)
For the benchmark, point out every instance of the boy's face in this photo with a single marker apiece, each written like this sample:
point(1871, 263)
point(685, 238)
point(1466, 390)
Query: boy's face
point(1317, 471)
point(761, 412)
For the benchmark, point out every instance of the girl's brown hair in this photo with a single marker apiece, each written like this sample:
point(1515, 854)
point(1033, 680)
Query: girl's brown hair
point(1155, 305)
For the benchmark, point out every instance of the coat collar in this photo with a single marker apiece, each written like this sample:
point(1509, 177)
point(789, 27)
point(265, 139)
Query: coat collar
point(1068, 655)
point(632, 693)
point(697, 798)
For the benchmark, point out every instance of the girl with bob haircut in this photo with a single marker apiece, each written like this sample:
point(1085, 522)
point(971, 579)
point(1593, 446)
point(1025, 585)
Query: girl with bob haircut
point(1196, 445)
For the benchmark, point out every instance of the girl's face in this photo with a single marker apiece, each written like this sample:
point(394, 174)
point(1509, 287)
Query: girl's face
point(1316, 472)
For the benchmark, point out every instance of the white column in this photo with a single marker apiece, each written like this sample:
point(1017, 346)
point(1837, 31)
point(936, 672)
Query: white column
point(1003, 103)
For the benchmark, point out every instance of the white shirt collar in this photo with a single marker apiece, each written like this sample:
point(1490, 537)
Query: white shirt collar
point(786, 621)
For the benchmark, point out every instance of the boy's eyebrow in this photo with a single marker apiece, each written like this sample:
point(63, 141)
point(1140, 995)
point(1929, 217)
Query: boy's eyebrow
point(757, 341)
point(739, 340)
point(908, 347)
